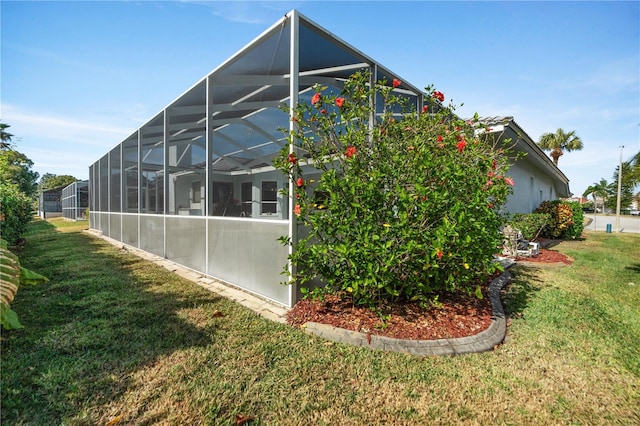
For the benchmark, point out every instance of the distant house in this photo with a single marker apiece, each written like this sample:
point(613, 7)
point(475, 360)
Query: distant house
point(536, 178)
point(50, 203)
point(578, 199)
point(196, 185)
point(75, 200)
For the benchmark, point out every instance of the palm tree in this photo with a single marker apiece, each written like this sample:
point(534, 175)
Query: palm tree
point(599, 189)
point(633, 177)
point(559, 142)
point(5, 137)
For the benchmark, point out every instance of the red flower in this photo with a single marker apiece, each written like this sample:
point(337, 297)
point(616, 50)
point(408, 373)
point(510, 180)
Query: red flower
point(396, 82)
point(461, 145)
point(339, 102)
point(438, 95)
point(294, 119)
point(495, 163)
point(323, 111)
point(292, 158)
point(425, 109)
point(315, 99)
point(509, 181)
point(491, 174)
point(300, 182)
point(439, 254)
point(296, 210)
point(350, 151)
point(490, 205)
point(440, 138)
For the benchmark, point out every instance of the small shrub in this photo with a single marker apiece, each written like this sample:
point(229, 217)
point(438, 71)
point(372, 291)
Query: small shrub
point(575, 230)
point(531, 225)
point(566, 221)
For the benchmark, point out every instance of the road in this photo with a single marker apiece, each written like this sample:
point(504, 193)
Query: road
point(627, 223)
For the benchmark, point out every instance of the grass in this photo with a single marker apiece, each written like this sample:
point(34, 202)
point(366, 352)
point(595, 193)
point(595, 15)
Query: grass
point(113, 338)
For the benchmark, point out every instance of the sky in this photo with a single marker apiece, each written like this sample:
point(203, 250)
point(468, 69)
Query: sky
point(78, 77)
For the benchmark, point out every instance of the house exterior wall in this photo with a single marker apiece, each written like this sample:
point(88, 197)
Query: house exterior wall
point(531, 187)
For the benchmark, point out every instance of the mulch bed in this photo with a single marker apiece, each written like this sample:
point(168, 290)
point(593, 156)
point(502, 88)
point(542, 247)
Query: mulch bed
point(548, 257)
point(453, 316)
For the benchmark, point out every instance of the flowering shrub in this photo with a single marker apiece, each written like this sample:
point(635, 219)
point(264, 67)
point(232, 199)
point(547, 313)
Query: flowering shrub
point(566, 219)
point(402, 208)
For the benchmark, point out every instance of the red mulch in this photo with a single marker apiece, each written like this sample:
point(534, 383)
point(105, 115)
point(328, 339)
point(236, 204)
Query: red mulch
point(455, 315)
point(548, 256)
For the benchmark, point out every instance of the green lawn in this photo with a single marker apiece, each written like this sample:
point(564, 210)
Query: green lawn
point(113, 338)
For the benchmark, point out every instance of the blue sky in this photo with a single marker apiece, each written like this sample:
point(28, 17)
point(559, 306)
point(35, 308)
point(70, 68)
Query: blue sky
point(78, 77)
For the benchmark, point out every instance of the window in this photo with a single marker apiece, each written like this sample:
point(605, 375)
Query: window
point(195, 189)
point(246, 197)
point(269, 204)
point(223, 202)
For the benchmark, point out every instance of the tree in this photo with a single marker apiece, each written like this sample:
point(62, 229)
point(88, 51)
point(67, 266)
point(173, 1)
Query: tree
point(632, 178)
point(51, 181)
point(600, 189)
point(626, 192)
point(559, 142)
point(15, 168)
point(5, 137)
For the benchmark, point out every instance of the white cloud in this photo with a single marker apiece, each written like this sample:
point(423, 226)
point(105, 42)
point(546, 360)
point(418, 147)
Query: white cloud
point(61, 145)
point(34, 125)
point(247, 12)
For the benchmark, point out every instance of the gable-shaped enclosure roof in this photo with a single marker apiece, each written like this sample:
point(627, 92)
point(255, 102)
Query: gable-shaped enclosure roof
point(243, 95)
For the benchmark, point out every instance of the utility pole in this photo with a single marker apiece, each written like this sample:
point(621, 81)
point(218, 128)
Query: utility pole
point(619, 190)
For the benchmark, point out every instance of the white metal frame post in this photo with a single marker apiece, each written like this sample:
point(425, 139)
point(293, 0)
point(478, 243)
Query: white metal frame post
point(208, 168)
point(122, 190)
point(165, 180)
point(294, 69)
point(139, 173)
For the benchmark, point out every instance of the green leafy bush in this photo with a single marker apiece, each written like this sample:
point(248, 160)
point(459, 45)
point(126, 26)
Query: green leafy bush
point(15, 212)
point(566, 219)
point(401, 208)
point(531, 224)
point(575, 230)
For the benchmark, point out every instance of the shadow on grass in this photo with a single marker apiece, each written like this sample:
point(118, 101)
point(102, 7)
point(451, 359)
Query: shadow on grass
point(634, 267)
point(103, 315)
point(523, 284)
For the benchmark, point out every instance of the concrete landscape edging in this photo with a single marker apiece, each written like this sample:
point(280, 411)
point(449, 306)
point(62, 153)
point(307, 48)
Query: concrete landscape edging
point(481, 342)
